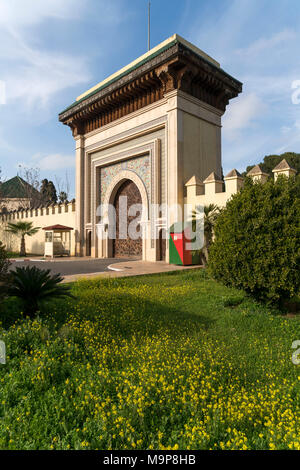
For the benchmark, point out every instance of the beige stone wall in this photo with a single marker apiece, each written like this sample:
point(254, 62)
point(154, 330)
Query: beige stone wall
point(43, 217)
point(202, 193)
point(12, 204)
point(212, 193)
point(201, 148)
point(194, 144)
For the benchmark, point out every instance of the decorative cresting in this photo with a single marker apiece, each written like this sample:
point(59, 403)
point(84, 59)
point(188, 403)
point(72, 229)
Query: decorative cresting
point(176, 67)
point(112, 190)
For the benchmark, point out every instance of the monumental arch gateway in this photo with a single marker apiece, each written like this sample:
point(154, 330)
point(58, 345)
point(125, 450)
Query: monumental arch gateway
point(144, 132)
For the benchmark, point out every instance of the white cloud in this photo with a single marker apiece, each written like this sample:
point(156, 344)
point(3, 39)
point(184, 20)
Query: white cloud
point(45, 52)
point(53, 162)
point(285, 129)
point(244, 151)
point(270, 85)
point(264, 44)
point(241, 113)
point(34, 74)
point(28, 12)
point(38, 75)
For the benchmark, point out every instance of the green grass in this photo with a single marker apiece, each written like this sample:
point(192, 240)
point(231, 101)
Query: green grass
point(165, 361)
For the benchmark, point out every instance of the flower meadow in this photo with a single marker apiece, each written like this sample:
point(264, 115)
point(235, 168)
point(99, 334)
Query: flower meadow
point(174, 361)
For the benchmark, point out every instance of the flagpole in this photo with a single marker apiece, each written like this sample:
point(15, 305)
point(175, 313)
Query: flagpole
point(149, 13)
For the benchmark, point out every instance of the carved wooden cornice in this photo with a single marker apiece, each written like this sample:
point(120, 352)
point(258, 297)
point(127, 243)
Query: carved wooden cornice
point(177, 68)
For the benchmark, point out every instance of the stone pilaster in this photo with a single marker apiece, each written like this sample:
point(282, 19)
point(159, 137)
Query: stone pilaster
point(79, 226)
point(175, 159)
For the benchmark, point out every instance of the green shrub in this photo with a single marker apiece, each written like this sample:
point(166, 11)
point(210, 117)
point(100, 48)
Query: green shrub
point(233, 301)
point(257, 240)
point(4, 262)
point(34, 286)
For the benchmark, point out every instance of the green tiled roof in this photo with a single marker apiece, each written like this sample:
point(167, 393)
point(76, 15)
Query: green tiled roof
point(16, 188)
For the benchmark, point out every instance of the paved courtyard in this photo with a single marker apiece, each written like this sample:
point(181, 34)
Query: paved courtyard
point(132, 268)
point(70, 267)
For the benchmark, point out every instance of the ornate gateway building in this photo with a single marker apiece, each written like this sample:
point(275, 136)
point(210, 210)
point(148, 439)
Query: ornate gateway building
point(145, 132)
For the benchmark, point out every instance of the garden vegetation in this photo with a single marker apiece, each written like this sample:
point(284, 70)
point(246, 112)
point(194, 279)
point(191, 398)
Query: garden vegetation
point(33, 286)
point(257, 240)
point(174, 361)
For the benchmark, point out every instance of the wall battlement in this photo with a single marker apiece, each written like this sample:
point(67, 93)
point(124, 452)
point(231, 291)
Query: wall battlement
point(214, 190)
point(63, 214)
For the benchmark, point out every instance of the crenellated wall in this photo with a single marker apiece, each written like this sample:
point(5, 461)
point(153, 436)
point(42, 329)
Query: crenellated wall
point(63, 214)
point(214, 190)
point(13, 204)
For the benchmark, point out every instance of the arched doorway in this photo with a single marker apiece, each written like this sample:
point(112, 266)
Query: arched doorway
point(127, 247)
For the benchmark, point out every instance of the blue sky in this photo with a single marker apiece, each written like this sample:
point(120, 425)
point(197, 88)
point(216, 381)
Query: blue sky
point(53, 50)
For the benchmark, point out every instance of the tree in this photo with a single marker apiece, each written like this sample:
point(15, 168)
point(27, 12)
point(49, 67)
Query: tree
point(22, 229)
point(257, 240)
point(33, 191)
point(63, 188)
point(34, 286)
point(63, 197)
point(211, 213)
point(270, 161)
point(31, 187)
point(48, 192)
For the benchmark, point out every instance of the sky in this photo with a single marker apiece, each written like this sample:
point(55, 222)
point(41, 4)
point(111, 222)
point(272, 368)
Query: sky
point(52, 50)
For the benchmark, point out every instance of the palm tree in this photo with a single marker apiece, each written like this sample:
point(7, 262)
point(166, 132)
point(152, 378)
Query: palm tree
point(22, 229)
point(33, 286)
point(211, 213)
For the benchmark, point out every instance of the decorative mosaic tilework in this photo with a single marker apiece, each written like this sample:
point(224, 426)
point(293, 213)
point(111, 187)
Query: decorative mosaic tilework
point(140, 165)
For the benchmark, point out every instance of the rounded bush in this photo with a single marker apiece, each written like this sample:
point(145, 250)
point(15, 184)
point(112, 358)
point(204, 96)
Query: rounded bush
point(257, 240)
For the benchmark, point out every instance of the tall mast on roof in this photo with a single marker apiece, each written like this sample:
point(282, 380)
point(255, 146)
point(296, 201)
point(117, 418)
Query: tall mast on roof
point(149, 13)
